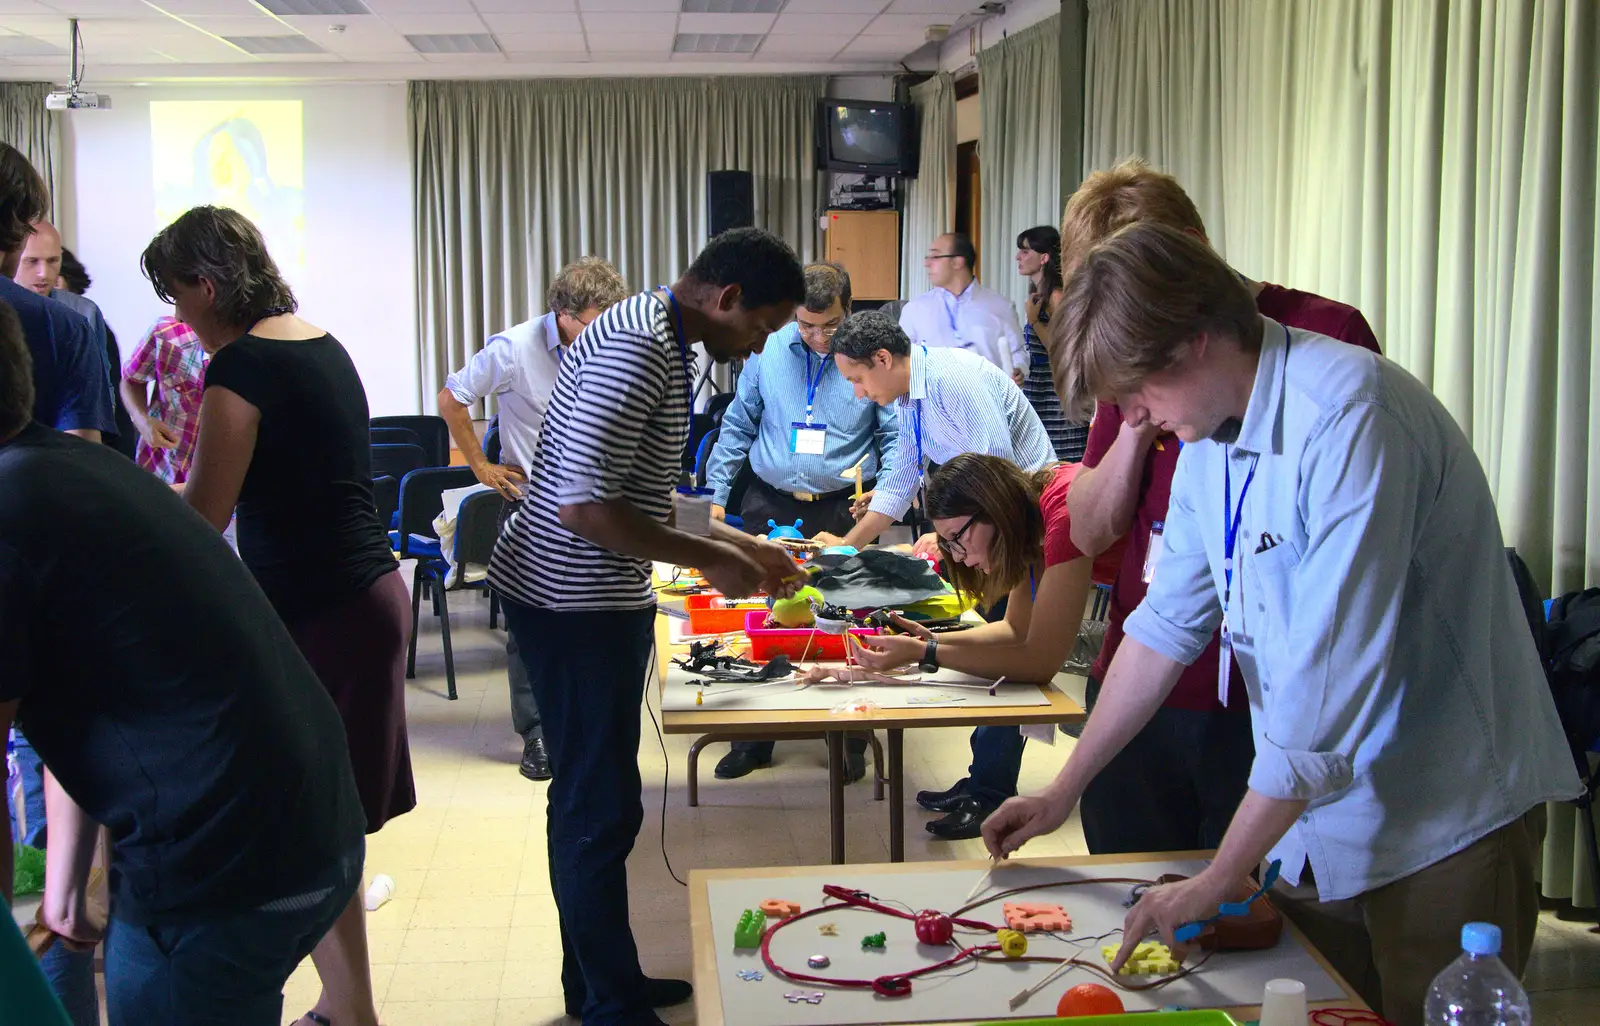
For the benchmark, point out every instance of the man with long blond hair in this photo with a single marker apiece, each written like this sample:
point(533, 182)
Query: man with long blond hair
point(1331, 516)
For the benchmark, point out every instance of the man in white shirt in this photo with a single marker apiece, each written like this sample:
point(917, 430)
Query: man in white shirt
point(960, 313)
point(520, 366)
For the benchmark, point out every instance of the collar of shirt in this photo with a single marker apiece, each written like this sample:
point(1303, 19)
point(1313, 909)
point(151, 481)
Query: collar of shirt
point(918, 388)
point(1262, 430)
point(550, 330)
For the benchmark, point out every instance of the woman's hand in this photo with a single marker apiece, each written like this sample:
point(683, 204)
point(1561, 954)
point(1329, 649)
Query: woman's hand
point(882, 652)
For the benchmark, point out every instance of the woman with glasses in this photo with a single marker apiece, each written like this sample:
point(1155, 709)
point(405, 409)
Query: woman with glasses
point(1039, 260)
point(1004, 534)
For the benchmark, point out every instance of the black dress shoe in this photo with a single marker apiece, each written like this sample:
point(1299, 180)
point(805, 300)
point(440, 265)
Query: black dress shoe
point(736, 764)
point(855, 764)
point(964, 822)
point(660, 994)
point(535, 760)
point(943, 801)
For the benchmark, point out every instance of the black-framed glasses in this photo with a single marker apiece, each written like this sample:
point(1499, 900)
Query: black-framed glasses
point(954, 545)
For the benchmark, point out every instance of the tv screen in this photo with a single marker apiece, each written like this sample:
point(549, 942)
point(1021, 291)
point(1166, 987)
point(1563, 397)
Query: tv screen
point(857, 135)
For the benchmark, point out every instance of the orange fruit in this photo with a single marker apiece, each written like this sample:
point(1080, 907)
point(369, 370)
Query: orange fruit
point(1089, 999)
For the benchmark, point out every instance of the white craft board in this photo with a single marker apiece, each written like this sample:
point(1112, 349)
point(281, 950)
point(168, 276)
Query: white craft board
point(678, 694)
point(962, 993)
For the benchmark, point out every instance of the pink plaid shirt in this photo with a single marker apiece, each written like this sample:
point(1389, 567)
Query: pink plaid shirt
point(171, 356)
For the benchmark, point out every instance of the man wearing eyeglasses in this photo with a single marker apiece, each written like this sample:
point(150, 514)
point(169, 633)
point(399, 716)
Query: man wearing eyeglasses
point(960, 313)
point(800, 424)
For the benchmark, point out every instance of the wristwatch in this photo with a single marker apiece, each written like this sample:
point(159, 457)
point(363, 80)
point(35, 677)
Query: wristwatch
point(930, 657)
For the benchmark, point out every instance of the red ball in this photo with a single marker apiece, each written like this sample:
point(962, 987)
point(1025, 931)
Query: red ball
point(934, 927)
point(1089, 999)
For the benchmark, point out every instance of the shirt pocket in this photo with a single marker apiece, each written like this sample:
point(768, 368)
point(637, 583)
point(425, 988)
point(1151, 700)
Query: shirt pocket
point(1275, 578)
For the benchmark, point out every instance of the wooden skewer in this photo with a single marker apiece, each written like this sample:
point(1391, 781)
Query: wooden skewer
point(1026, 993)
point(983, 881)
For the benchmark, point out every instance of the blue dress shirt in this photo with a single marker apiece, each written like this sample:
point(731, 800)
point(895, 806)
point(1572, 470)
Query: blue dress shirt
point(72, 385)
point(1393, 682)
point(771, 397)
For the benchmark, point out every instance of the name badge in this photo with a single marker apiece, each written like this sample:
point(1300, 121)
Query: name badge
point(1224, 662)
point(1152, 553)
point(808, 439)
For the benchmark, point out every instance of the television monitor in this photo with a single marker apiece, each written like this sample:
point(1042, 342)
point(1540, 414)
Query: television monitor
point(867, 137)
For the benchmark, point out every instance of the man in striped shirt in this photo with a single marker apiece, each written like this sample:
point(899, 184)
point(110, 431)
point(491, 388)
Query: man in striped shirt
point(573, 567)
point(948, 401)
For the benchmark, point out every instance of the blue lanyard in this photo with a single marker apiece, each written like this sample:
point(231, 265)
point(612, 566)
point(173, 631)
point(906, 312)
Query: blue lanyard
point(812, 383)
point(1230, 523)
point(916, 416)
point(683, 350)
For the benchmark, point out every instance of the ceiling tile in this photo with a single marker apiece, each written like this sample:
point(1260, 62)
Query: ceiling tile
point(712, 58)
point(30, 46)
point(207, 8)
point(99, 8)
point(457, 58)
point(257, 26)
point(31, 8)
point(949, 9)
point(834, 6)
point(629, 42)
point(563, 22)
point(48, 26)
point(535, 59)
point(631, 24)
point(386, 7)
point(658, 6)
point(809, 45)
point(821, 24)
point(540, 42)
point(314, 8)
point(876, 46)
point(725, 24)
point(436, 24)
point(522, 6)
point(900, 25)
point(360, 35)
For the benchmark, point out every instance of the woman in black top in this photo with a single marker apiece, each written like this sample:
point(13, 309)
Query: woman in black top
point(283, 436)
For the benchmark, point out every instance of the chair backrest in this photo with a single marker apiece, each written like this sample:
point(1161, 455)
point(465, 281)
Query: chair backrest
point(397, 460)
point(433, 435)
point(385, 497)
point(718, 404)
point(394, 436)
point(478, 527)
point(702, 456)
point(491, 441)
point(421, 499)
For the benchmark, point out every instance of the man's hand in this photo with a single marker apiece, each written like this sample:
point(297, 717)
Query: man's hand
point(1019, 375)
point(927, 547)
point(1034, 305)
point(1163, 909)
point(823, 539)
point(783, 576)
point(862, 506)
point(503, 479)
point(736, 572)
point(1023, 818)
point(888, 651)
point(158, 435)
point(718, 512)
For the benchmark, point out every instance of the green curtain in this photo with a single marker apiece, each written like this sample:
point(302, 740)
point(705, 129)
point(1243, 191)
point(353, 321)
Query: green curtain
point(34, 131)
point(513, 179)
point(1019, 148)
point(930, 206)
point(1434, 163)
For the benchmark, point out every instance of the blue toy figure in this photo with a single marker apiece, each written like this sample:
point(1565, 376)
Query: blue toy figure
point(785, 532)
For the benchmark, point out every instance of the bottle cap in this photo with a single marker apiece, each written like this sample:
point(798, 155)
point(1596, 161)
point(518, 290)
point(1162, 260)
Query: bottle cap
point(1480, 939)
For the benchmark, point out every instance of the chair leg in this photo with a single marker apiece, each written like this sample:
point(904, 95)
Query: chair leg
point(444, 628)
point(416, 611)
point(877, 765)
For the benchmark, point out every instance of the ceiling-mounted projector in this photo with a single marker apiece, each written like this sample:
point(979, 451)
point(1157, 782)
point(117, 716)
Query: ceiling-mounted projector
point(73, 97)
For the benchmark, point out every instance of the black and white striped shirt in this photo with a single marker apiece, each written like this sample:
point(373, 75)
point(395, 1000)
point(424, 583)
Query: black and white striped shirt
point(616, 428)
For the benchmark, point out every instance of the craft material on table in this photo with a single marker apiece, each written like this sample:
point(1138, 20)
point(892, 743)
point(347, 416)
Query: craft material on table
point(678, 694)
point(973, 989)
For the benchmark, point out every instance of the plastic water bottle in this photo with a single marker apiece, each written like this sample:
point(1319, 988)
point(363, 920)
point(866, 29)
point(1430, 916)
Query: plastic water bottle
point(1477, 989)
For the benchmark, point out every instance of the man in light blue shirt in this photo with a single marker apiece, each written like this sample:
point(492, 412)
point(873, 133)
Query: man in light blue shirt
point(947, 402)
point(800, 424)
point(1330, 514)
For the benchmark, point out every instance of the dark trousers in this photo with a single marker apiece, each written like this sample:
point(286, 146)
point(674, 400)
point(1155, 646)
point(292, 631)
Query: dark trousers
point(587, 672)
point(762, 502)
point(1175, 786)
point(524, 710)
point(996, 751)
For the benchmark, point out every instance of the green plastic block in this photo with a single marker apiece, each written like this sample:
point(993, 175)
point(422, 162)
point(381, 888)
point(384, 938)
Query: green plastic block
point(752, 927)
point(875, 940)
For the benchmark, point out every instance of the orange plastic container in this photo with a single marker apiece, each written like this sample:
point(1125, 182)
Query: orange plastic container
point(803, 643)
point(714, 614)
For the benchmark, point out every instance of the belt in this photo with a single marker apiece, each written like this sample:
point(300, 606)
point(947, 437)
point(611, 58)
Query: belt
point(842, 493)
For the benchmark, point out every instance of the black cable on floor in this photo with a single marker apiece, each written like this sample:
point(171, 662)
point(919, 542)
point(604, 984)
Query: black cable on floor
point(666, 764)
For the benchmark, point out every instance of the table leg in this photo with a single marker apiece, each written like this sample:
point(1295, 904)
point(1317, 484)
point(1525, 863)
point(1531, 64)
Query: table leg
point(897, 796)
point(836, 794)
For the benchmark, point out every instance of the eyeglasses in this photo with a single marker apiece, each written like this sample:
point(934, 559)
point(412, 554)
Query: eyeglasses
point(827, 331)
point(954, 545)
point(940, 256)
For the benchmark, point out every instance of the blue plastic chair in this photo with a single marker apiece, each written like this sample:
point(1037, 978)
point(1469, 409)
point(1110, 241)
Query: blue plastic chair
point(477, 530)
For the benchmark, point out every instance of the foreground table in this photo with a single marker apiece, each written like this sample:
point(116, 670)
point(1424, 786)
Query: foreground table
point(760, 724)
point(707, 933)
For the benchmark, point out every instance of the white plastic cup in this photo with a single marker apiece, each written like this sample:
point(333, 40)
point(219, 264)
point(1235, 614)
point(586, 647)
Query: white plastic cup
point(1284, 1003)
point(379, 892)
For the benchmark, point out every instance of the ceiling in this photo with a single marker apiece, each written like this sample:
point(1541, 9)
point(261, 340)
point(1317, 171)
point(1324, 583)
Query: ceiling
point(371, 39)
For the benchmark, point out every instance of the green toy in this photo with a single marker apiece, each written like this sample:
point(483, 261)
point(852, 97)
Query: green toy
point(876, 941)
point(796, 611)
point(28, 876)
point(752, 927)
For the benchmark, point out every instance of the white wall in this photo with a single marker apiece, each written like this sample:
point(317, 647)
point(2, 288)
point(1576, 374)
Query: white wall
point(358, 281)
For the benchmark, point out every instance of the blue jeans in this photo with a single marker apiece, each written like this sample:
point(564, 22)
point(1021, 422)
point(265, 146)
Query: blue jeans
point(587, 672)
point(996, 764)
point(230, 969)
point(71, 973)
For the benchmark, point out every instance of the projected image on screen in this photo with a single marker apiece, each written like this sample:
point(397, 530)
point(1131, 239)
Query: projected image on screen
point(866, 136)
point(247, 155)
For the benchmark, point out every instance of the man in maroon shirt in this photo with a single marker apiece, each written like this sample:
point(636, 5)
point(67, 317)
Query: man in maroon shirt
point(1176, 785)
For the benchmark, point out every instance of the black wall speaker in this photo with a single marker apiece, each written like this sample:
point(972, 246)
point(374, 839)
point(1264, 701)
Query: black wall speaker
point(730, 201)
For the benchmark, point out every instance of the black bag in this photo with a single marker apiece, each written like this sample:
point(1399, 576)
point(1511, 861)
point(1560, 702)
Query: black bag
point(1573, 634)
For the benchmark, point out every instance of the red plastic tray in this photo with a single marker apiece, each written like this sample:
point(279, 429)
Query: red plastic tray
point(708, 614)
point(803, 643)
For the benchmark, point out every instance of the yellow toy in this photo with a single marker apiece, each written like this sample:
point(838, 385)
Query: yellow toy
point(1150, 958)
point(1012, 943)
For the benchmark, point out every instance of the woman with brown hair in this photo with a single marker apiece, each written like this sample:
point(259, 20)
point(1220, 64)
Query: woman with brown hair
point(283, 436)
point(1004, 534)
